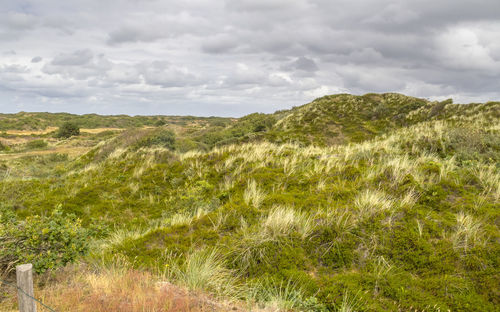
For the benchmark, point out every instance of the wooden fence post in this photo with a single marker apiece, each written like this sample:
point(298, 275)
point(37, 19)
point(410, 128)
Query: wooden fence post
point(24, 275)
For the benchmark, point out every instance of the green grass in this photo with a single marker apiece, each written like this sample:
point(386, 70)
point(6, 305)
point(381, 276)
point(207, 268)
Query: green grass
point(396, 211)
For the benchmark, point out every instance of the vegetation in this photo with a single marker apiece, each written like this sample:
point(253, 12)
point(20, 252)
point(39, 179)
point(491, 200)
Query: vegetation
point(40, 121)
point(3, 147)
point(67, 129)
point(47, 242)
point(378, 202)
point(36, 144)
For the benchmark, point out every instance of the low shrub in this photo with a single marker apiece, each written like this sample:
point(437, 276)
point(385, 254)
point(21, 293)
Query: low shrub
point(46, 242)
point(162, 138)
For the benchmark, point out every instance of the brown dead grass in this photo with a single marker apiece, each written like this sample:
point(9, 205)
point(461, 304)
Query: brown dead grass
point(81, 290)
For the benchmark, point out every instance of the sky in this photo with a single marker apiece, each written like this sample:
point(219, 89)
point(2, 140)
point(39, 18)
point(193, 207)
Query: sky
point(234, 57)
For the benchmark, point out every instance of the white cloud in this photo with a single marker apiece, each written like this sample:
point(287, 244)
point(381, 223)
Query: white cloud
point(238, 56)
point(461, 48)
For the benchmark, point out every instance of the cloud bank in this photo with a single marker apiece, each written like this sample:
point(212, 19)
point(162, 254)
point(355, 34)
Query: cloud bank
point(233, 57)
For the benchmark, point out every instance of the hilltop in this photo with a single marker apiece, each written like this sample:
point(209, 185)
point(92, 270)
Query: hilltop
point(380, 202)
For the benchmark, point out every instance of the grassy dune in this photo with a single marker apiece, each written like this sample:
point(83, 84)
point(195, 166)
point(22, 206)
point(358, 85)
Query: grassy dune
point(370, 203)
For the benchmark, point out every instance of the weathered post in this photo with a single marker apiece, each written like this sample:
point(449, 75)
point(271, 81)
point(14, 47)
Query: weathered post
point(24, 275)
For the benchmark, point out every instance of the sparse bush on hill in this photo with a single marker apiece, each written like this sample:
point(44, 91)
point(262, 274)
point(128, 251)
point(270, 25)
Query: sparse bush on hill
point(67, 129)
point(161, 138)
point(160, 122)
point(246, 129)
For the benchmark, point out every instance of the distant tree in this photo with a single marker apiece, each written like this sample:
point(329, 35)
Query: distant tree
point(160, 122)
point(67, 130)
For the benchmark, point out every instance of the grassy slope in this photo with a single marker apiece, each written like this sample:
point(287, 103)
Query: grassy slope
point(406, 219)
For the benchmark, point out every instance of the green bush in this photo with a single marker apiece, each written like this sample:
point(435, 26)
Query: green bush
point(162, 137)
point(160, 122)
point(68, 129)
point(46, 242)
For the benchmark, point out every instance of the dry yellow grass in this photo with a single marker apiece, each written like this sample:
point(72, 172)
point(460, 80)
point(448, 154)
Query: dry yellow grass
point(99, 130)
point(80, 289)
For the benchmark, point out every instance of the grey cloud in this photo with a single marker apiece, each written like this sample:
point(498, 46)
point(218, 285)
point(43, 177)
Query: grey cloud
point(371, 81)
point(244, 75)
point(132, 34)
point(14, 24)
point(77, 58)
point(61, 93)
point(258, 5)
point(219, 44)
point(60, 23)
point(19, 21)
point(305, 64)
point(14, 68)
point(239, 52)
point(123, 74)
point(166, 75)
point(159, 27)
point(79, 65)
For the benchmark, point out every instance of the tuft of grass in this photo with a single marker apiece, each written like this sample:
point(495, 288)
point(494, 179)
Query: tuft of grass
point(399, 167)
point(381, 269)
point(134, 187)
point(350, 303)
point(370, 202)
point(119, 237)
point(218, 221)
point(252, 248)
point(227, 184)
point(409, 199)
point(284, 296)
point(468, 232)
point(180, 219)
point(489, 177)
point(204, 270)
point(253, 195)
point(285, 220)
point(342, 221)
point(321, 185)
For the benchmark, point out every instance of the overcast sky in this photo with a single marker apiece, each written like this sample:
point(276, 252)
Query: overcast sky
point(233, 57)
